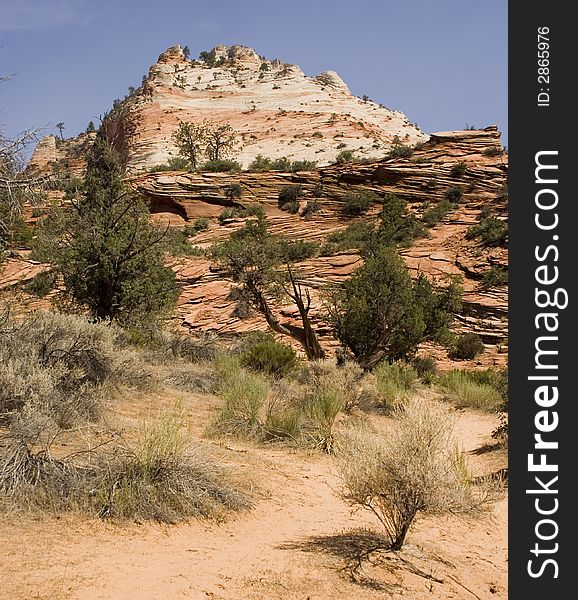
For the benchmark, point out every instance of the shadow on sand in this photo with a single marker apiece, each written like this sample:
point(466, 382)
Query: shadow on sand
point(357, 549)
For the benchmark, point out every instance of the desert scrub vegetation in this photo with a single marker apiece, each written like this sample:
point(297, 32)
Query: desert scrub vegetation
point(289, 197)
point(58, 450)
point(244, 394)
point(229, 212)
point(310, 208)
point(158, 477)
point(41, 284)
point(301, 411)
point(358, 203)
point(166, 346)
point(454, 194)
point(221, 165)
point(466, 347)
point(354, 237)
point(426, 368)
point(269, 356)
point(416, 469)
point(263, 163)
point(162, 478)
point(458, 169)
point(175, 163)
point(495, 276)
point(490, 230)
point(397, 226)
point(493, 151)
point(357, 387)
point(399, 150)
point(345, 157)
point(435, 214)
point(395, 384)
point(479, 390)
point(61, 369)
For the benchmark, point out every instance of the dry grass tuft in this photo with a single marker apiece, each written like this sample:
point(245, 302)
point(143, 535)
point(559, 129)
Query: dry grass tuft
point(158, 478)
point(472, 389)
point(162, 479)
point(395, 383)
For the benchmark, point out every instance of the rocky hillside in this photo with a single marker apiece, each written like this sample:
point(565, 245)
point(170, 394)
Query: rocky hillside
point(423, 180)
point(276, 109)
point(281, 112)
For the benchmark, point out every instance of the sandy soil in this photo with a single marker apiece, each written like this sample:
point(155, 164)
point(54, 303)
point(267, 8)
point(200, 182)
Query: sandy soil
point(299, 542)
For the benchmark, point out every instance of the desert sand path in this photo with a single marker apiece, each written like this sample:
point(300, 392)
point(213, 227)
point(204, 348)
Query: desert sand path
point(263, 554)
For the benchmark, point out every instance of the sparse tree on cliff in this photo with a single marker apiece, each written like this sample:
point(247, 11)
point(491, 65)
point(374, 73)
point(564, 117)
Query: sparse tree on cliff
point(261, 264)
point(221, 141)
point(191, 141)
point(205, 140)
point(108, 253)
point(60, 127)
point(186, 52)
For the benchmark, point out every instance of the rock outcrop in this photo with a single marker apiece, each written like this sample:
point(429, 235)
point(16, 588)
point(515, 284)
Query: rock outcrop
point(422, 179)
point(53, 154)
point(276, 109)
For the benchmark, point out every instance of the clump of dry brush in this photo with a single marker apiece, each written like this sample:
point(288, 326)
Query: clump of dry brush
point(416, 469)
point(57, 374)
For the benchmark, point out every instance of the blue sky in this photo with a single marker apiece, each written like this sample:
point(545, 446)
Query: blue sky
point(443, 62)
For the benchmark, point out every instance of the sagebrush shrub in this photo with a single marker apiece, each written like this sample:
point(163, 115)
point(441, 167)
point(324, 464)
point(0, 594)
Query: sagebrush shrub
point(467, 347)
point(271, 357)
point(61, 366)
point(416, 469)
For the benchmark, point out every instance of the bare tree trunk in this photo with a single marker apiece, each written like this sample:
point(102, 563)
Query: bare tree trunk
point(305, 335)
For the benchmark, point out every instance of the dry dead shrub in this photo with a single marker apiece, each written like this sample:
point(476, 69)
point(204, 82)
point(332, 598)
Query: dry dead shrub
point(356, 387)
point(158, 478)
point(32, 479)
point(162, 479)
point(61, 366)
point(416, 469)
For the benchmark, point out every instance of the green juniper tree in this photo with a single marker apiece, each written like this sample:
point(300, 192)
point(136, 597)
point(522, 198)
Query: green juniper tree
point(380, 313)
point(109, 254)
point(261, 265)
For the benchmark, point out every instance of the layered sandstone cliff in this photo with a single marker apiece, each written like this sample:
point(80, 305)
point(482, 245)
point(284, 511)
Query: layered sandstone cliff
point(278, 111)
point(273, 106)
point(422, 179)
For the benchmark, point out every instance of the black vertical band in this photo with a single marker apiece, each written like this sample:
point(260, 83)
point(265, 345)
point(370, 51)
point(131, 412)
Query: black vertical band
point(543, 241)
